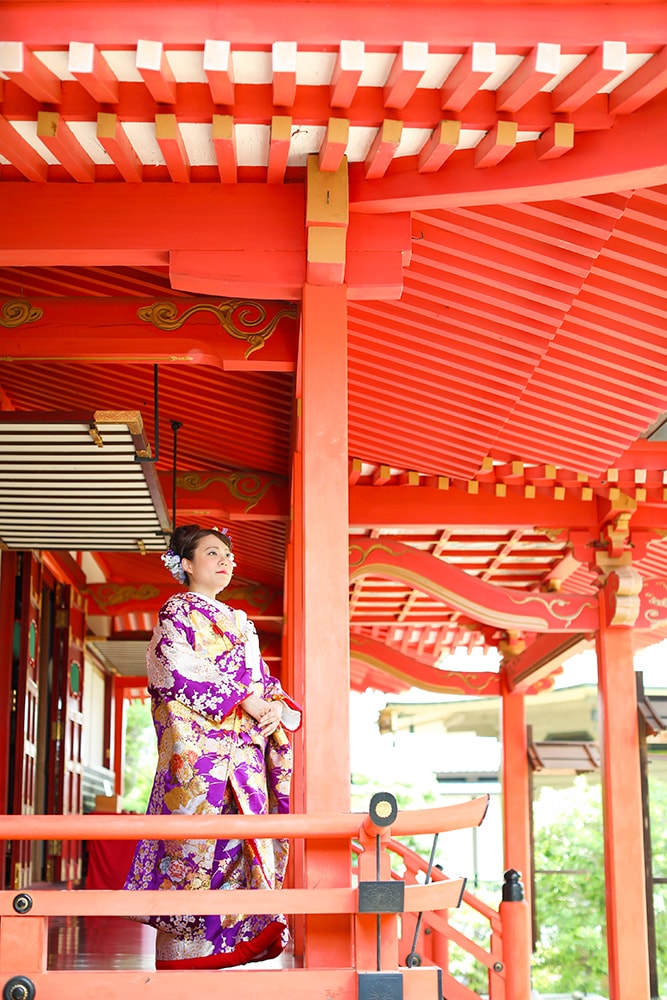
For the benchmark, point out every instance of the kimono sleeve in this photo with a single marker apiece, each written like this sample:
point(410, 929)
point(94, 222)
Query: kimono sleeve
point(291, 718)
point(177, 671)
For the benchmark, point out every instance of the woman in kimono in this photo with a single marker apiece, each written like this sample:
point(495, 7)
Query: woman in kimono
point(220, 720)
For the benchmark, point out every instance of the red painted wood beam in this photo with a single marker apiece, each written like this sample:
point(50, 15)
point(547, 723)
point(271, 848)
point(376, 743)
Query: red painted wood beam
point(347, 72)
point(597, 69)
point(541, 659)
point(279, 146)
point(383, 148)
point(395, 506)
point(22, 66)
point(24, 157)
point(219, 70)
point(391, 661)
point(283, 62)
point(443, 142)
point(57, 136)
point(113, 138)
point(557, 140)
point(334, 146)
point(224, 141)
point(247, 496)
point(496, 144)
point(127, 224)
point(630, 155)
point(93, 72)
point(64, 331)
point(473, 68)
point(536, 69)
point(408, 67)
point(156, 72)
point(170, 141)
point(646, 83)
point(515, 26)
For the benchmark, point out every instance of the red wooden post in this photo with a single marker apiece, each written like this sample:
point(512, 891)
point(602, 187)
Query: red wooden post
point(627, 933)
point(325, 622)
point(119, 735)
point(515, 915)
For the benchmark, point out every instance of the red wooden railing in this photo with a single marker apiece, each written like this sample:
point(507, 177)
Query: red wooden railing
point(24, 916)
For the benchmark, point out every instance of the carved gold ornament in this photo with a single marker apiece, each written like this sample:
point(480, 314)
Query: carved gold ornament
point(245, 486)
point(111, 594)
point(240, 318)
point(16, 312)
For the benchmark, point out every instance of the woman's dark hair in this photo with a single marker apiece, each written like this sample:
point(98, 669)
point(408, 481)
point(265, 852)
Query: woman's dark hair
point(187, 537)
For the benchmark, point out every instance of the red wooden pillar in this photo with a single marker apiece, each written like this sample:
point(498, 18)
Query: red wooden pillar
point(627, 932)
point(324, 524)
point(515, 915)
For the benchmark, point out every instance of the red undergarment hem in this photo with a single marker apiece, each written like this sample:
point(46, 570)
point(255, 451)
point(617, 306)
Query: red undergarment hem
point(267, 944)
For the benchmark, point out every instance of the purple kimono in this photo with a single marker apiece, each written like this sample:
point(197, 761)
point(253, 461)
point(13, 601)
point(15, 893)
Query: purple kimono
point(202, 661)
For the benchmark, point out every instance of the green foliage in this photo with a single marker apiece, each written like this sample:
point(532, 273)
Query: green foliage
point(569, 888)
point(140, 756)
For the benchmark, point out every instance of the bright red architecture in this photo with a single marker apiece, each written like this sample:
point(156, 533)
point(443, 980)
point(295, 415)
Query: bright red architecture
point(401, 268)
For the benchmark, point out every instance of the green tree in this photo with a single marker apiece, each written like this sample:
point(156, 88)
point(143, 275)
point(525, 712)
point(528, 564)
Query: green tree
point(571, 951)
point(140, 756)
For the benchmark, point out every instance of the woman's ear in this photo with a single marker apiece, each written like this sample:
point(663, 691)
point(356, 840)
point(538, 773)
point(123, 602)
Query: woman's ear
point(187, 566)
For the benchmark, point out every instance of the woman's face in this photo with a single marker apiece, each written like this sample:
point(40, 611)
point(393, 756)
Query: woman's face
point(211, 566)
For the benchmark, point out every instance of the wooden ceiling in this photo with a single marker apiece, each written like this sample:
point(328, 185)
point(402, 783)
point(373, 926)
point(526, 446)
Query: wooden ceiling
point(515, 366)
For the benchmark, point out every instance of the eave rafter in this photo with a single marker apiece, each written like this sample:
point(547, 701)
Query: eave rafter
point(480, 601)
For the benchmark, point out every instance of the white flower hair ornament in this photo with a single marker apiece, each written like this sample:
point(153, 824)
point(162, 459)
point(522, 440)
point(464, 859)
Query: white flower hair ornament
point(173, 563)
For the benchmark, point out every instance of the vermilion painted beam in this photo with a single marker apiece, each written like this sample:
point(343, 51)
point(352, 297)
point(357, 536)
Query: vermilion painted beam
point(496, 144)
point(283, 61)
point(629, 155)
point(393, 506)
point(247, 496)
point(254, 102)
point(123, 598)
point(57, 136)
point(383, 148)
point(541, 659)
point(597, 69)
point(483, 602)
point(557, 140)
point(22, 66)
point(64, 332)
point(536, 69)
point(26, 159)
point(93, 72)
point(170, 141)
point(156, 72)
point(473, 68)
point(391, 661)
point(224, 141)
point(347, 72)
point(113, 138)
point(62, 220)
point(644, 84)
point(443, 142)
point(407, 70)
point(219, 70)
point(279, 146)
point(521, 25)
point(335, 142)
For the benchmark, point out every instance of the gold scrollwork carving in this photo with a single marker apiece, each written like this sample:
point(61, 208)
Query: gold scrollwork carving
point(16, 312)
point(258, 595)
point(242, 319)
point(244, 486)
point(111, 594)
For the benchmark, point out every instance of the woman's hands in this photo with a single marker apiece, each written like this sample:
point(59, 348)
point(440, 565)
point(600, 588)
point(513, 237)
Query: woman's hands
point(268, 714)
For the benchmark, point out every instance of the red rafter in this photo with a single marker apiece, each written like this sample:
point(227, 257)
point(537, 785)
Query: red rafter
point(473, 68)
point(29, 73)
point(597, 69)
point(113, 138)
point(57, 136)
point(283, 61)
point(219, 70)
point(539, 66)
point(21, 153)
point(156, 72)
point(347, 71)
point(93, 72)
point(409, 66)
point(170, 140)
